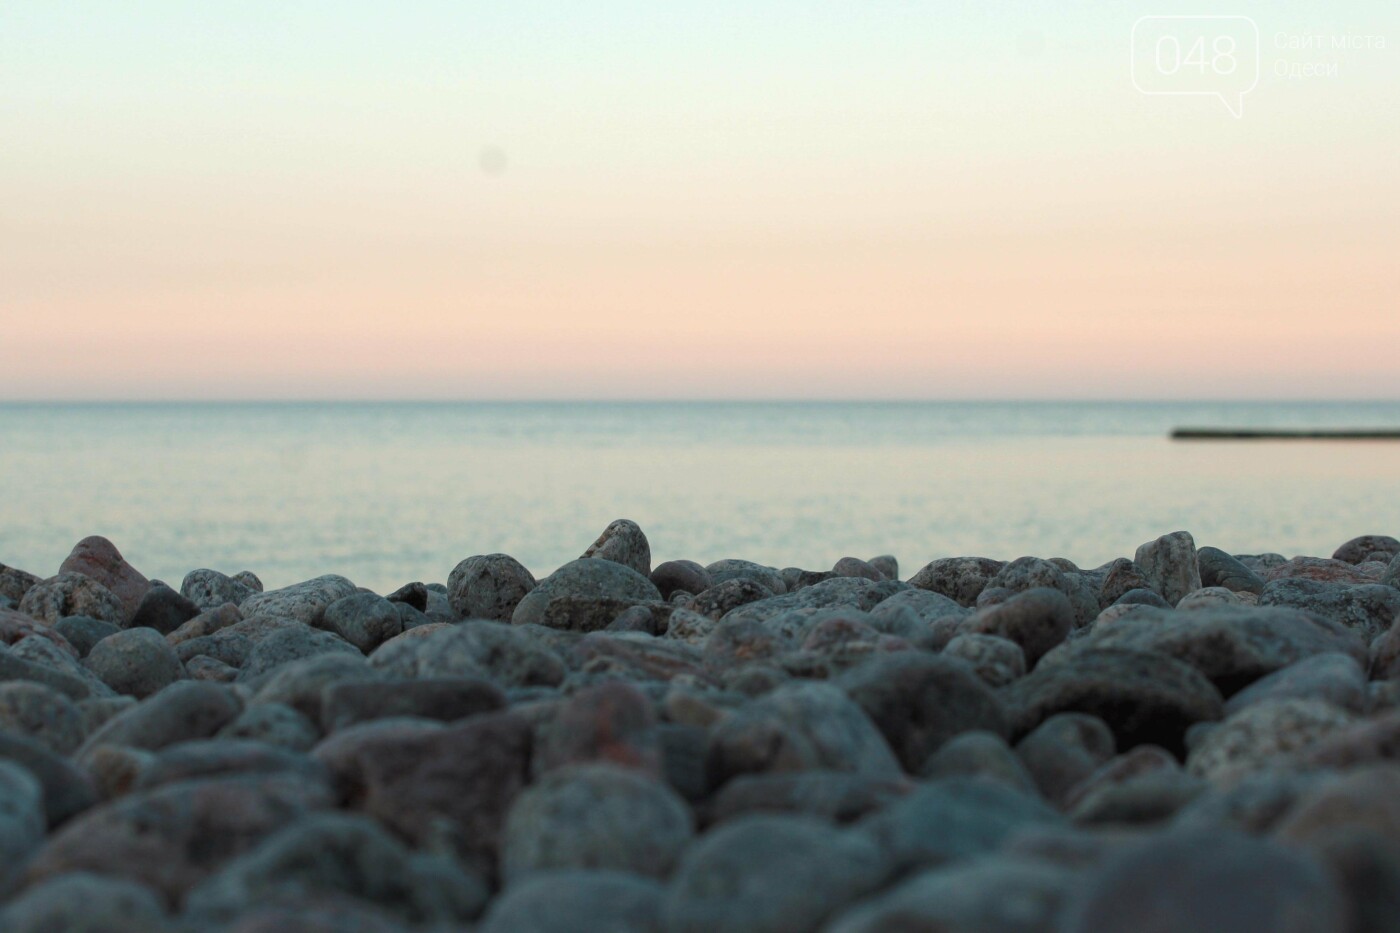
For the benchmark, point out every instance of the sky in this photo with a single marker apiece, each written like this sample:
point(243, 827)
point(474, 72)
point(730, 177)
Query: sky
point(618, 199)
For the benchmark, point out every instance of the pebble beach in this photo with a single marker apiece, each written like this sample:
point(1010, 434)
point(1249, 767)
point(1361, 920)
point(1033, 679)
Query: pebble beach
point(1180, 739)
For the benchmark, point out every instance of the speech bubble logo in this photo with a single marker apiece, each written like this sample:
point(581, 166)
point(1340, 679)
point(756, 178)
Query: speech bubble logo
point(1214, 56)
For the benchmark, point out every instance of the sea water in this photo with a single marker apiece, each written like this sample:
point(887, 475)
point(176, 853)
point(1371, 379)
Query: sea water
point(386, 493)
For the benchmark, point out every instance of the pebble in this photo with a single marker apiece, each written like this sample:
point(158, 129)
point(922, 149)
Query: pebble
point(683, 575)
point(919, 701)
point(624, 543)
point(1143, 697)
point(209, 589)
point(996, 660)
point(597, 816)
point(14, 583)
point(1037, 619)
point(365, 620)
point(135, 662)
point(1013, 895)
point(584, 595)
point(578, 901)
point(345, 855)
point(72, 594)
point(85, 903)
point(799, 727)
point(954, 818)
point(1170, 565)
point(1065, 750)
point(770, 874)
point(1207, 881)
point(488, 586)
point(304, 602)
point(735, 569)
point(1258, 735)
point(43, 714)
point(83, 632)
point(347, 703)
point(961, 579)
point(163, 609)
point(1220, 569)
point(99, 559)
point(979, 753)
point(837, 796)
point(1369, 609)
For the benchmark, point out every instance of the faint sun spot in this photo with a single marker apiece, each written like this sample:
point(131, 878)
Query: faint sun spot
point(492, 160)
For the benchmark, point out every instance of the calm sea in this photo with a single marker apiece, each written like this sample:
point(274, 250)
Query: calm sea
point(385, 493)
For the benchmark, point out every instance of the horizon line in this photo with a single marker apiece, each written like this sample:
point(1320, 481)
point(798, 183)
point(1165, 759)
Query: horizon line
point(702, 400)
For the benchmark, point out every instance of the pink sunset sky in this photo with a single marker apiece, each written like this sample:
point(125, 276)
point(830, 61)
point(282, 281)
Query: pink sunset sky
point(852, 200)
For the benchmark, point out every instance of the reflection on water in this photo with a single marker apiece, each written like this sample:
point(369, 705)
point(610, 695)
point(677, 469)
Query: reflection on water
point(386, 493)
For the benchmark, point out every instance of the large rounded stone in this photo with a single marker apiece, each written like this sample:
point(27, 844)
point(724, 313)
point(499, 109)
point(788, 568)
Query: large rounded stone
point(209, 589)
point(293, 642)
point(805, 726)
point(1332, 676)
point(596, 817)
point(14, 583)
point(1142, 697)
point(684, 575)
point(734, 569)
point(611, 723)
point(436, 784)
point(72, 594)
point(182, 711)
point(41, 713)
point(304, 602)
point(136, 662)
point(1001, 895)
point(273, 724)
point(302, 684)
point(21, 818)
point(919, 701)
point(67, 789)
point(1382, 548)
point(584, 595)
point(952, 819)
point(175, 836)
point(511, 656)
point(348, 703)
point(343, 855)
point(624, 543)
point(838, 796)
point(99, 559)
point(365, 620)
point(164, 610)
point(961, 579)
point(997, 661)
point(1170, 565)
point(1218, 568)
point(1232, 645)
point(770, 874)
point(1207, 881)
point(577, 902)
point(85, 903)
point(83, 632)
point(979, 754)
point(1064, 750)
point(1037, 619)
point(488, 586)
point(1258, 736)
point(1369, 609)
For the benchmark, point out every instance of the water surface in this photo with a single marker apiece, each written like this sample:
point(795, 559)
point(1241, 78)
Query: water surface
point(390, 492)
